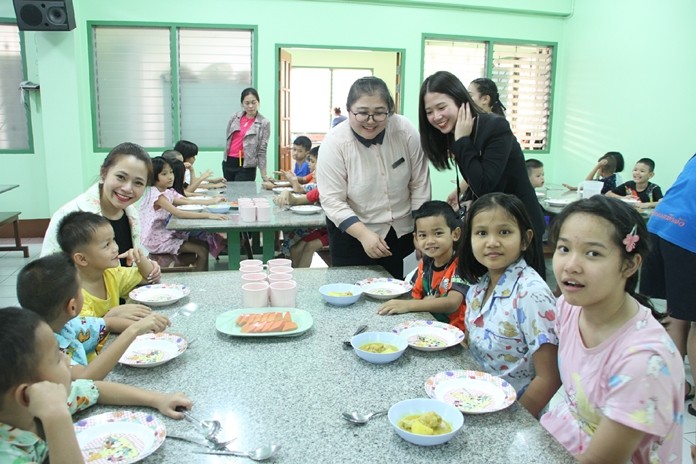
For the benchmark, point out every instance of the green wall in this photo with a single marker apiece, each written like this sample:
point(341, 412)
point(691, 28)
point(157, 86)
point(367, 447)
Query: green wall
point(611, 86)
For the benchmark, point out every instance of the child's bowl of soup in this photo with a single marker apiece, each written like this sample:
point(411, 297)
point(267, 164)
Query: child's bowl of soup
point(425, 421)
point(379, 347)
point(340, 294)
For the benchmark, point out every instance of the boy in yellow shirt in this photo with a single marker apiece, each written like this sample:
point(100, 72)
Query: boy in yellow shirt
point(89, 240)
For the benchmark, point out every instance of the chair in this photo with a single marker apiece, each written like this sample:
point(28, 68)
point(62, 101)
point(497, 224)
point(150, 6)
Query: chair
point(13, 217)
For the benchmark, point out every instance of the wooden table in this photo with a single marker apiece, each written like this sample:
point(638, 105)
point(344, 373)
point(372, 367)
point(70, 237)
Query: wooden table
point(12, 217)
point(291, 390)
point(281, 219)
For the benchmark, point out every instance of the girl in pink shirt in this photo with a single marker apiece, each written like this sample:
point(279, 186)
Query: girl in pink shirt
point(623, 378)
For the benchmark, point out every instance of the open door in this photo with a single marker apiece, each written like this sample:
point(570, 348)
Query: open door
point(284, 142)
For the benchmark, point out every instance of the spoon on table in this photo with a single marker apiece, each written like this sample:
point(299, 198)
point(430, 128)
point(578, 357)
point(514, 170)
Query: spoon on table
point(211, 428)
point(360, 330)
point(209, 443)
point(258, 454)
point(359, 418)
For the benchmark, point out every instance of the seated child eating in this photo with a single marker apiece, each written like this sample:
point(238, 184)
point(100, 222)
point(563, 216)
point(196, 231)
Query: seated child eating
point(89, 241)
point(438, 288)
point(301, 244)
point(535, 171)
point(38, 397)
point(640, 188)
point(50, 287)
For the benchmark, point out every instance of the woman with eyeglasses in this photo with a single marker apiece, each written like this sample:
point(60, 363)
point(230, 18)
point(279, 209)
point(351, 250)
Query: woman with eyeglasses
point(486, 152)
point(371, 174)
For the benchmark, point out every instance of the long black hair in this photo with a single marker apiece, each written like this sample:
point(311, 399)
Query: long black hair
point(435, 144)
point(487, 87)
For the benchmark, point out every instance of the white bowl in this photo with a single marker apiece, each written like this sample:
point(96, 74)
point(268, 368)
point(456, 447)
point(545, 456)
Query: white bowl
point(327, 289)
point(448, 413)
point(379, 337)
point(219, 209)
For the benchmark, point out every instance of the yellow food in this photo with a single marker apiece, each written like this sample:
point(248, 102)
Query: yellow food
point(380, 348)
point(340, 293)
point(429, 423)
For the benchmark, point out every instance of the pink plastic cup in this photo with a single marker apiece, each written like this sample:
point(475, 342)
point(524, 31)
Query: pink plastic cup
point(278, 262)
point(254, 277)
point(250, 262)
point(255, 294)
point(284, 293)
point(250, 269)
point(247, 212)
point(263, 212)
point(280, 270)
point(279, 277)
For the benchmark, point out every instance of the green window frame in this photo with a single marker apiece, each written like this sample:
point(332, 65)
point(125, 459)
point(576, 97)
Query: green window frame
point(15, 111)
point(524, 72)
point(154, 84)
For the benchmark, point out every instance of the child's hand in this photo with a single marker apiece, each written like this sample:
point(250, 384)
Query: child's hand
point(134, 255)
point(280, 174)
point(153, 323)
point(268, 185)
point(155, 274)
point(219, 217)
point(46, 399)
point(134, 312)
point(393, 307)
point(570, 187)
point(220, 199)
point(283, 199)
point(206, 174)
point(167, 403)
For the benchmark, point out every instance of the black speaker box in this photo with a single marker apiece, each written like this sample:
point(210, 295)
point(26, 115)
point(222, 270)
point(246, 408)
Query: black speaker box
point(35, 15)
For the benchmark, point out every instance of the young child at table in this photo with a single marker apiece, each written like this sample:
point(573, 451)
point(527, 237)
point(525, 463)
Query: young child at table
point(535, 171)
point(189, 152)
point(300, 149)
point(438, 288)
point(296, 180)
point(301, 244)
point(604, 171)
point(89, 241)
point(640, 188)
point(50, 287)
point(160, 203)
point(623, 377)
point(510, 310)
point(38, 398)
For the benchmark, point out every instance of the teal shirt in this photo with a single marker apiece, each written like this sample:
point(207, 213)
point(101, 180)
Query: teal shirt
point(21, 446)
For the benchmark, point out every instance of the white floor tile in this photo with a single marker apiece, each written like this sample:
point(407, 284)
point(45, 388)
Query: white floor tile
point(686, 453)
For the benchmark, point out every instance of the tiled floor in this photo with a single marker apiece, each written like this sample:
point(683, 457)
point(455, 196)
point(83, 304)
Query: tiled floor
point(12, 261)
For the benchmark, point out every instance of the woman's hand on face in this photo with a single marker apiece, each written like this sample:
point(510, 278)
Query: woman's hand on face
point(465, 122)
point(375, 247)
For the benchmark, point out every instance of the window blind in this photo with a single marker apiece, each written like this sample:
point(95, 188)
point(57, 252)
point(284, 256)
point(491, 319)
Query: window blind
point(14, 127)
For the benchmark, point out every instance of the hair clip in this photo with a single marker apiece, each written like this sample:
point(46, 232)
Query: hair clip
point(631, 239)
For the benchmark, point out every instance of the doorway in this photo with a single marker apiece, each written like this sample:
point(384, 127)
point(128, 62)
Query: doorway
point(313, 81)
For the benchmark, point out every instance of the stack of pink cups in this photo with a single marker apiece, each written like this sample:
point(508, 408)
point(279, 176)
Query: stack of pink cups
point(247, 209)
point(263, 209)
point(277, 288)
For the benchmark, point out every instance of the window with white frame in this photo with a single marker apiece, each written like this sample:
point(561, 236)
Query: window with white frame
point(522, 72)
point(156, 85)
point(14, 123)
point(315, 92)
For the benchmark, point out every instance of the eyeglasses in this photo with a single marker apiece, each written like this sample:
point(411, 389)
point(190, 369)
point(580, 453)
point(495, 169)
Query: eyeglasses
point(363, 116)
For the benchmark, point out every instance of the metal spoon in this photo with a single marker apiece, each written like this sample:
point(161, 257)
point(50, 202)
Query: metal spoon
point(259, 454)
point(361, 419)
point(210, 428)
point(360, 330)
point(214, 445)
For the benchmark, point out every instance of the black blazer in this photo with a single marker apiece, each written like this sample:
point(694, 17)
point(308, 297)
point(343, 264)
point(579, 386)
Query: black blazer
point(491, 160)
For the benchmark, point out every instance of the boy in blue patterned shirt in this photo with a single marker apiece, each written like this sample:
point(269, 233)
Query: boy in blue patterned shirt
point(50, 287)
point(38, 398)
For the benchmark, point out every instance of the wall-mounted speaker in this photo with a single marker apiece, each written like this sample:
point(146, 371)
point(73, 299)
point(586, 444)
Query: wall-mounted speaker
point(36, 15)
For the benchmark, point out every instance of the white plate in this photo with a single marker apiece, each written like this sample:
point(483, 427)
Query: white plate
point(200, 190)
point(429, 335)
point(384, 288)
point(200, 198)
point(540, 194)
point(191, 207)
point(150, 350)
point(560, 201)
point(471, 392)
point(305, 209)
point(119, 436)
point(630, 200)
point(281, 183)
point(159, 294)
point(282, 189)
